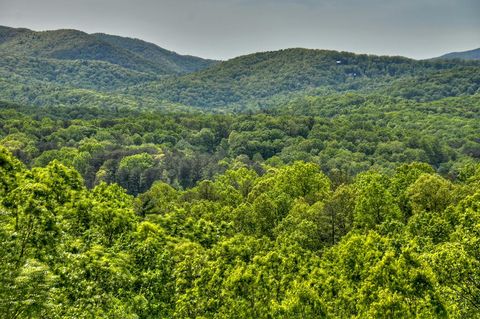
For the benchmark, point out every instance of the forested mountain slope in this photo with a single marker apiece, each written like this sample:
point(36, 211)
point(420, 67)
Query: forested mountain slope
point(464, 55)
point(167, 59)
point(345, 134)
point(69, 74)
point(71, 68)
point(77, 45)
point(264, 75)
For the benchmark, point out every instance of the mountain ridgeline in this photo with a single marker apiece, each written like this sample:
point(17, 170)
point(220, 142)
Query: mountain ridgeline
point(271, 74)
point(129, 53)
point(72, 68)
point(465, 55)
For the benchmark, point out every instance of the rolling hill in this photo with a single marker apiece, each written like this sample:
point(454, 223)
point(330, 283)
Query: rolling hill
point(265, 75)
point(167, 59)
point(68, 67)
point(464, 55)
point(77, 45)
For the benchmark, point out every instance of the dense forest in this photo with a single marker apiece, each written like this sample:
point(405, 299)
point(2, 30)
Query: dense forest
point(139, 183)
point(344, 134)
point(287, 242)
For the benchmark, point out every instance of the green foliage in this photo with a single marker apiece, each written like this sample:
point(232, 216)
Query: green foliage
point(374, 203)
point(9, 168)
point(189, 147)
point(344, 190)
point(279, 243)
point(370, 277)
point(76, 45)
point(71, 68)
point(257, 78)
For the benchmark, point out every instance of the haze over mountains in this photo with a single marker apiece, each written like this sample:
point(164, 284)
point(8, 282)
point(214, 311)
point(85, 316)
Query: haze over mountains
point(70, 67)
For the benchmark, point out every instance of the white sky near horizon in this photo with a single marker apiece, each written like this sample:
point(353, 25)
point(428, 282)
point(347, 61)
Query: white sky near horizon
point(222, 29)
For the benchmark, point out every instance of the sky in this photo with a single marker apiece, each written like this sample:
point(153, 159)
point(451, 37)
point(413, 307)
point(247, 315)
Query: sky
point(222, 29)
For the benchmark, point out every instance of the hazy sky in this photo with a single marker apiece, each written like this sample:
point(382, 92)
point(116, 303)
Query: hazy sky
point(223, 29)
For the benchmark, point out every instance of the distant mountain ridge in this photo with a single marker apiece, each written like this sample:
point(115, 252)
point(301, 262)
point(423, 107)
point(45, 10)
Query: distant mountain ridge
point(255, 77)
point(463, 55)
point(152, 52)
point(69, 44)
point(73, 68)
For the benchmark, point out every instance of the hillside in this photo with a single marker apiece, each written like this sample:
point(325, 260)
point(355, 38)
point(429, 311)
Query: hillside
point(85, 74)
point(68, 67)
point(464, 55)
point(265, 75)
point(78, 45)
point(162, 57)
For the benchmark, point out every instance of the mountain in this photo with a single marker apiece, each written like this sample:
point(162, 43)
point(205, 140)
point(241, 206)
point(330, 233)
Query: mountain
point(260, 76)
point(465, 55)
point(151, 52)
point(84, 74)
point(77, 45)
point(72, 68)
